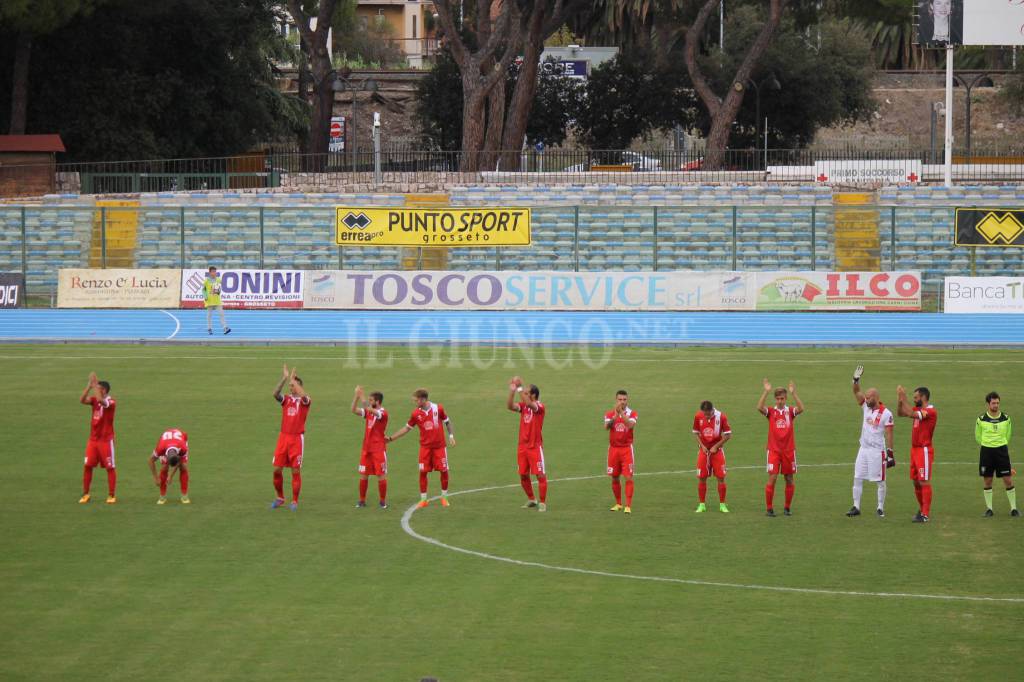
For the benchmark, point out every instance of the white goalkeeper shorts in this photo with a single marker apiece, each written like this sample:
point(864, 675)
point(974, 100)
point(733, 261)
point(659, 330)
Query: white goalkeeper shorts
point(870, 465)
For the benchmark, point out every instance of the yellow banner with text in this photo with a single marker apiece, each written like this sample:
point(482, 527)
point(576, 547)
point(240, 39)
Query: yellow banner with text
point(432, 226)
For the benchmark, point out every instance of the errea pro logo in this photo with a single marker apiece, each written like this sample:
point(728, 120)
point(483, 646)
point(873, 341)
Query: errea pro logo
point(999, 227)
point(356, 221)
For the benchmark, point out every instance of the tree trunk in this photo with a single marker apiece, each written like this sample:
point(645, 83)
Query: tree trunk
point(522, 103)
point(723, 110)
point(474, 112)
point(19, 88)
point(495, 125)
point(315, 42)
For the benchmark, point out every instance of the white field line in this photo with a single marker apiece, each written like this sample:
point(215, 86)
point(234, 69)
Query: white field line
point(407, 527)
point(177, 325)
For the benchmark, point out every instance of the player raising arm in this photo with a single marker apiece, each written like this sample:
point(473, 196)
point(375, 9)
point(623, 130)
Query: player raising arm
point(291, 442)
point(530, 449)
point(620, 423)
point(428, 417)
point(781, 451)
point(922, 453)
point(99, 450)
point(172, 453)
point(875, 453)
point(373, 459)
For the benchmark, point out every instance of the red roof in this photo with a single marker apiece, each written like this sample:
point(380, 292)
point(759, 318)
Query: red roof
point(31, 143)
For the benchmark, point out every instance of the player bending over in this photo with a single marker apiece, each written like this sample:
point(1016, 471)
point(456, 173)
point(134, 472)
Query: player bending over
point(291, 442)
point(711, 431)
point(781, 453)
point(875, 453)
point(922, 453)
point(429, 417)
point(620, 423)
point(99, 450)
point(530, 450)
point(373, 459)
point(172, 453)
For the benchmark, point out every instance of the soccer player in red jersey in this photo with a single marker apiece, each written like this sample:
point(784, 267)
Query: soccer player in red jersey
point(99, 450)
point(620, 423)
point(172, 453)
point(373, 459)
point(922, 453)
point(291, 443)
point(711, 430)
point(429, 417)
point(781, 443)
point(531, 441)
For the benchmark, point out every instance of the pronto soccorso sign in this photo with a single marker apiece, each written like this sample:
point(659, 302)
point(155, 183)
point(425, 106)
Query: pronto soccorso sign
point(355, 226)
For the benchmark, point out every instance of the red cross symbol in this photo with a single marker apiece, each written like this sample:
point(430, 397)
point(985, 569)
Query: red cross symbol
point(912, 177)
point(822, 178)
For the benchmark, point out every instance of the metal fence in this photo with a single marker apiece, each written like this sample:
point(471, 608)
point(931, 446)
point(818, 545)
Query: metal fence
point(361, 165)
point(39, 240)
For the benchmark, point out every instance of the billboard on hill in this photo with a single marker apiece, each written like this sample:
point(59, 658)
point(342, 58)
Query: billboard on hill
point(993, 22)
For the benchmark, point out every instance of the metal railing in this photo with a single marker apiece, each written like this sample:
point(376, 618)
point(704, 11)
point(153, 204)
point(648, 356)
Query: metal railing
point(337, 170)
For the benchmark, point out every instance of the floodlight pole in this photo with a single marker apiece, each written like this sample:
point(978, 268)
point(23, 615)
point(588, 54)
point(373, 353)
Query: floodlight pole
point(949, 116)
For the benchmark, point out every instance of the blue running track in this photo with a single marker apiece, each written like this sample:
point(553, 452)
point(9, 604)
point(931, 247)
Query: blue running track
point(514, 328)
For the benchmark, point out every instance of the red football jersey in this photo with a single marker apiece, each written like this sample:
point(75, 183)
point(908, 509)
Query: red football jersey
point(780, 429)
point(293, 414)
point(373, 439)
point(620, 435)
point(429, 420)
point(171, 438)
point(102, 427)
point(711, 430)
point(924, 426)
point(531, 425)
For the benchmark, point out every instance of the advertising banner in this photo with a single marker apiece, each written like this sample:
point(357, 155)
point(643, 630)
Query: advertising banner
point(859, 172)
point(246, 288)
point(482, 290)
point(991, 22)
point(432, 226)
point(984, 295)
point(941, 22)
point(118, 288)
point(824, 290)
point(999, 227)
point(12, 290)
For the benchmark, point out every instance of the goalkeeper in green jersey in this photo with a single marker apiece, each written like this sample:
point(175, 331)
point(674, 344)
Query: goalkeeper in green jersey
point(992, 431)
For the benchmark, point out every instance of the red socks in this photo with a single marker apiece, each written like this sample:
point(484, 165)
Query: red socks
point(926, 500)
point(279, 484)
point(163, 483)
point(617, 490)
point(382, 488)
point(86, 480)
point(296, 484)
point(542, 488)
point(423, 481)
point(363, 485)
point(702, 490)
point(629, 493)
point(789, 494)
point(919, 494)
point(444, 481)
point(524, 480)
point(721, 492)
point(769, 496)
point(184, 481)
point(111, 481)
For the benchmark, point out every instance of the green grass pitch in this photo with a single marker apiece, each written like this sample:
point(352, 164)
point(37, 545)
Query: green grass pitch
point(226, 589)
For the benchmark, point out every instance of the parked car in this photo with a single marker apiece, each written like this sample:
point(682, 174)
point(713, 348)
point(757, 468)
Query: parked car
point(638, 161)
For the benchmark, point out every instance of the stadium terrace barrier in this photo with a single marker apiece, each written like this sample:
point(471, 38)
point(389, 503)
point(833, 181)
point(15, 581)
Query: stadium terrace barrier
point(400, 165)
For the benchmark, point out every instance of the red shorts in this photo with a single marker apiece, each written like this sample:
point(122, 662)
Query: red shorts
point(921, 460)
point(373, 463)
point(288, 452)
point(620, 460)
point(433, 459)
point(100, 453)
point(781, 462)
point(531, 461)
point(716, 464)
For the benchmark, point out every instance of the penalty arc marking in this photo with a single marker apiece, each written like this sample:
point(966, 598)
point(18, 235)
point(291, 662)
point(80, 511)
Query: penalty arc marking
point(407, 527)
